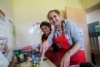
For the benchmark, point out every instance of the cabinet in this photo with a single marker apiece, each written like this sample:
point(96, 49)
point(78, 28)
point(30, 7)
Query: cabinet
point(6, 30)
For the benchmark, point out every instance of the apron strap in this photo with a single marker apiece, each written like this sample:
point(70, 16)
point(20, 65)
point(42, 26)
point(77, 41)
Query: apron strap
point(62, 29)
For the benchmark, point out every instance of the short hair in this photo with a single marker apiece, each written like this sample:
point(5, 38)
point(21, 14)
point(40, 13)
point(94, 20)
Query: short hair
point(45, 23)
point(87, 64)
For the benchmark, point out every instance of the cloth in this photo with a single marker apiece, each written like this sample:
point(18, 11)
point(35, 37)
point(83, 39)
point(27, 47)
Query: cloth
point(53, 47)
point(28, 48)
point(64, 46)
point(72, 33)
point(55, 57)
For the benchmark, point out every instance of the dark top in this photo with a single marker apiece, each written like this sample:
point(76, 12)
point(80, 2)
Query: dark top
point(44, 37)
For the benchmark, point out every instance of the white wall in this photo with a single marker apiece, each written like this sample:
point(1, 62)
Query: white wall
point(27, 12)
point(93, 16)
point(89, 3)
point(26, 35)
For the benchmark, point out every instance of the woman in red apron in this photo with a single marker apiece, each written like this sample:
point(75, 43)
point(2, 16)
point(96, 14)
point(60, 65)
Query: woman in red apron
point(46, 29)
point(68, 37)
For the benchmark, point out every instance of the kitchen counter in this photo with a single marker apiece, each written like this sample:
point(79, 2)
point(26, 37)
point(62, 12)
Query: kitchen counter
point(45, 63)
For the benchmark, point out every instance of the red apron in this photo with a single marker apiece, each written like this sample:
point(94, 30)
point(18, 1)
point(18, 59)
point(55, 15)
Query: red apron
point(56, 57)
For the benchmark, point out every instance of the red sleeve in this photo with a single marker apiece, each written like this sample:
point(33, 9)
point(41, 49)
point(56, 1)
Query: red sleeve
point(44, 38)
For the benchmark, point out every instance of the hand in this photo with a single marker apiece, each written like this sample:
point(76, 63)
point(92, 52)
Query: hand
point(44, 47)
point(65, 60)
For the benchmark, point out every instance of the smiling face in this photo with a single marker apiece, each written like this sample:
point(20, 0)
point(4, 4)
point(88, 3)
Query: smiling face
point(45, 30)
point(54, 18)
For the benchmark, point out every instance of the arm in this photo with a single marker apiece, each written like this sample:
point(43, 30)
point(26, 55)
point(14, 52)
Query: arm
point(66, 58)
point(77, 38)
point(46, 44)
point(74, 49)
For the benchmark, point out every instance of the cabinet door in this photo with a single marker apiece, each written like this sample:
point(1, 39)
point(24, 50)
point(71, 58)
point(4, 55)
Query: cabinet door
point(79, 17)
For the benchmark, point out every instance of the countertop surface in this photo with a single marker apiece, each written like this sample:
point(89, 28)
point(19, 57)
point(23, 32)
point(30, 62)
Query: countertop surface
point(45, 63)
